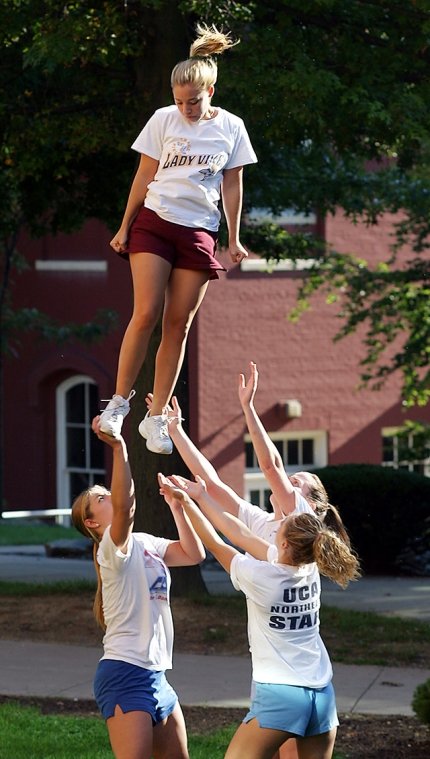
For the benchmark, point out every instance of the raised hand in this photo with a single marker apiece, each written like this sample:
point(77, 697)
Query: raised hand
point(109, 439)
point(181, 486)
point(173, 411)
point(248, 387)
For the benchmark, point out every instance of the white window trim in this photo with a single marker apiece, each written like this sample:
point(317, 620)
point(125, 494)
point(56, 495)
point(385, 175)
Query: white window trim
point(74, 265)
point(320, 445)
point(63, 490)
point(287, 217)
point(260, 264)
point(254, 479)
point(393, 432)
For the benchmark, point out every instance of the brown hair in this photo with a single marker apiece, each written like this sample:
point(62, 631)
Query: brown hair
point(80, 512)
point(310, 540)
point(200, 69)
point(317, 495)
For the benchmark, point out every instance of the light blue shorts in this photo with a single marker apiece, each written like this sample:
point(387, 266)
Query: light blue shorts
point(293, 709)
point(133, 689)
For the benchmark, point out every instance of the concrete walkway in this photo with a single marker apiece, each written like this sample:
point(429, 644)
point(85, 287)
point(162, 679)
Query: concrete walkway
point(63, 671)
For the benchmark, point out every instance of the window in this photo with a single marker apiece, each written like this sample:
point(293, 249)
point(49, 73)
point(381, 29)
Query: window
point(261, 498)
point(301, 451)
point(80, 454)
point(294, 453)
point(292, 221)
point(397, 452)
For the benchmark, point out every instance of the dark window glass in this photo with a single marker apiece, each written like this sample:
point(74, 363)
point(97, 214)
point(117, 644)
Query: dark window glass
point(79, 481)
point(249, 456)
point(96, 453)
point(279, 445)
point(292, 452)
point(388, 449)
point(403, 448)
point(307, 451)
point(267, 505)
point(75, 404)
point(76, 447)
point(254, 497)
point(94, 401)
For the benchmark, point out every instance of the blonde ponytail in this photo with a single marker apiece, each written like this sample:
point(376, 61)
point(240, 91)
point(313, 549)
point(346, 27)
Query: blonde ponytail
point(80, 512)
point(210, 41)
point(309, 540)
point(200, 69)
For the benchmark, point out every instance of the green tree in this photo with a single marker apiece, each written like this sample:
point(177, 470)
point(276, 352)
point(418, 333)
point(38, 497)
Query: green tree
point(76, 82)
point(328, 89)
point(337, 97)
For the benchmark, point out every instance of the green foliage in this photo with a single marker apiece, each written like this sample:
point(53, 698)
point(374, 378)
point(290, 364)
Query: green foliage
point(393, 306)
point(331, 89)
point(414, 437)
point(24, 320)
point(338, 88)
point(276, 244)
point(382, 509)
point(421, 702)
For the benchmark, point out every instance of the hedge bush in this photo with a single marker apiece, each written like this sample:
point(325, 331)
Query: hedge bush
point(383, 509)
point(421, 702)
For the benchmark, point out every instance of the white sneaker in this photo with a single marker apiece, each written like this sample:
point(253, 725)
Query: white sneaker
point(112, 417)
point(155, 430)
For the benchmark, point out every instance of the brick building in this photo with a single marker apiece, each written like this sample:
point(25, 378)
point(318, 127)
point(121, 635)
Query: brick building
point(308, 395)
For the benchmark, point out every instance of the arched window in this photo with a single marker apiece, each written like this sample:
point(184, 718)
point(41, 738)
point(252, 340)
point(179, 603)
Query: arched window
point(80, 456)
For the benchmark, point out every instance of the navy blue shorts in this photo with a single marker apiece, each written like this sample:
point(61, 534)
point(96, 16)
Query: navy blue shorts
point(293, 709)
point(134, 689)
point(183, 247)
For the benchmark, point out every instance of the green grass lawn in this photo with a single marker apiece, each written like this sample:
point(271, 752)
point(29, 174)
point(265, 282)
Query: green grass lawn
point(28, 734)
point(60, 587)
point(28, 533)
point(363, 637)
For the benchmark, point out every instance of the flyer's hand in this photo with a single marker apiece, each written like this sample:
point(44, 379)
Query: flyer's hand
point(237, 252)
point(119, 242)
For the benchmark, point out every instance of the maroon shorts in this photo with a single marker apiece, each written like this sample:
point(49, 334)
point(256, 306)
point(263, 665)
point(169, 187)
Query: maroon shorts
point(183, 247)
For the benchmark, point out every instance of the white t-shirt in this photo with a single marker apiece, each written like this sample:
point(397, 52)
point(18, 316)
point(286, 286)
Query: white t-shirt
point(262, 523)
point(283, 619)
point(136, 590)
point(192, 157)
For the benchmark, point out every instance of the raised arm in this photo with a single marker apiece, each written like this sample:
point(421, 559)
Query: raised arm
point(197, 463)
point(189, 549)
point(269, 460)
point(122, 488)
point(228, 524)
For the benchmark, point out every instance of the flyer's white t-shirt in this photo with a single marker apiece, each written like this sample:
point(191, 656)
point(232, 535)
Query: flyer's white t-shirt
point(283, 619)
point(192, 158)
point(136, 590)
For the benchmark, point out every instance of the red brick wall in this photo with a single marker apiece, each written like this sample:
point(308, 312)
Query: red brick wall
point(243, 318)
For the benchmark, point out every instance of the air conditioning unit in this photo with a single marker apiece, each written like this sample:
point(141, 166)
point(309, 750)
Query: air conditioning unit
point(292, 408)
